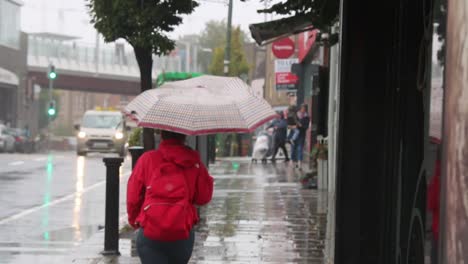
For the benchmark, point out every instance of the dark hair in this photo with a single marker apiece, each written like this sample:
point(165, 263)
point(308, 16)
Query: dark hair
point(172, 135)
point(280, 114)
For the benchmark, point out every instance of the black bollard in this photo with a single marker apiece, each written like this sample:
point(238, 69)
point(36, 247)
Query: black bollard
point(111, 232)
point(136, 153)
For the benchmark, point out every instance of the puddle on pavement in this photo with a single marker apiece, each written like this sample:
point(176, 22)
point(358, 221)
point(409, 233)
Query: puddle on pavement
point(80, 233)
point(13, 175)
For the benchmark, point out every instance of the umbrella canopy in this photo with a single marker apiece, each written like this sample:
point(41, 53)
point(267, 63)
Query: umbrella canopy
point(201, 105)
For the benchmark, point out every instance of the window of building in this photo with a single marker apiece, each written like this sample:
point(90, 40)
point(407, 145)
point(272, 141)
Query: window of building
point(10, 23)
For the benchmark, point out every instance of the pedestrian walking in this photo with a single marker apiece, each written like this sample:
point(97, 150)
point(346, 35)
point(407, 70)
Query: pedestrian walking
point(280, 127)
point(293, 124)
point(297, 148)
point(163, 190)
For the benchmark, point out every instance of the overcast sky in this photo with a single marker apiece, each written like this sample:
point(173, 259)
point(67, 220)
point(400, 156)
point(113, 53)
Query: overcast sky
point(70, 17)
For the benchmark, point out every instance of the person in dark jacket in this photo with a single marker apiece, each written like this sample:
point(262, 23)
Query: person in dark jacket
point(166, 164)
point(280, 126)
point(297, 149)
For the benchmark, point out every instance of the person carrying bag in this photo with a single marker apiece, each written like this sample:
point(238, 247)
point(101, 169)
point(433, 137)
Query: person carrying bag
point(163, 190)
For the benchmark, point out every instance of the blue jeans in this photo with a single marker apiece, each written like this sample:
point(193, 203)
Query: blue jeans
point(297, 150)
point(293, 134)
point(161, 252)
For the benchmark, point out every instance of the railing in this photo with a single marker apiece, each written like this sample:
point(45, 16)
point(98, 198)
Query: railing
point(110, 59)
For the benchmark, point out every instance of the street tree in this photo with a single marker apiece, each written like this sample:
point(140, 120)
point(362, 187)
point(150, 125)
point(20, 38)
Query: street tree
point(144, 25)
point(238, 67)
point(238, 64)
point(210, 38)
point(321, 13)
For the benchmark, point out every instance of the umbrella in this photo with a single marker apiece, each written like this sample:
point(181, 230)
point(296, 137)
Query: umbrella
point(201, 105)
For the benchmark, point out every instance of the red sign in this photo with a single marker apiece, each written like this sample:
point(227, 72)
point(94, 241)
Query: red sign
point(305, 42)
point(286, 78)
point(283, 48)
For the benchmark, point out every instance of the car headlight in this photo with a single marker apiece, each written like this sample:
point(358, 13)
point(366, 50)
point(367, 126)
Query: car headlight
point(81, 134)
point(119, 135)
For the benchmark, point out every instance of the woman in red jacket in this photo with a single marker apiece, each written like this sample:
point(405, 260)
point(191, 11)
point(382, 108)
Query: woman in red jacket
point(162, 192)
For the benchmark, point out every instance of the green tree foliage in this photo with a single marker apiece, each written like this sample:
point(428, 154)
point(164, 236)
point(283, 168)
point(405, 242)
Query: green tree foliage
point(143, 24)
point(210, 38)
point(440, 17)
point(217, 63)
point(322, 13)
point(238, 64)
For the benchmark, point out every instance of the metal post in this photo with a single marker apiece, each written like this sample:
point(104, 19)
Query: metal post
point(195, 59)
point(136, 153)
point(187, 57)
point(227, 52)
point(111, 232)
point(202, 148)
point(49, 118)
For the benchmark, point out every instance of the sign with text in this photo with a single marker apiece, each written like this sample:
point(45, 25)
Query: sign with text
point(283, 48)
point(285, 80)
point(306, 41)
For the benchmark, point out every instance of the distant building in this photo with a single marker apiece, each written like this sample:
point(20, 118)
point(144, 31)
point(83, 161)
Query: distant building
point(15, 98)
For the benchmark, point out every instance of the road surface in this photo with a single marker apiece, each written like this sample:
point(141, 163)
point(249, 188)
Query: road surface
point(50, 203)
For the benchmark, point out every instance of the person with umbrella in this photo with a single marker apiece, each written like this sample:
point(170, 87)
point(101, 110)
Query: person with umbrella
point(280, 127)
point(167, 183)
point(162, 192)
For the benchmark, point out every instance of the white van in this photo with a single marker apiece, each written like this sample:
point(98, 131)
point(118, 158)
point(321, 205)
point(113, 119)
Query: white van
point(102, 131)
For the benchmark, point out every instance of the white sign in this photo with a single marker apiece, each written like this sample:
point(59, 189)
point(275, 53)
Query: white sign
point(284, 79)
point(8, 77)
point(284, 65)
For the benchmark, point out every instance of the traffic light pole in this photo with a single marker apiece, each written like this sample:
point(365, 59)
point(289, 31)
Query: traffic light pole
point(49, 117)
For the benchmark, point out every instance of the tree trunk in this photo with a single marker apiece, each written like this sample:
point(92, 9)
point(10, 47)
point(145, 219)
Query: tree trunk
point(144, 58)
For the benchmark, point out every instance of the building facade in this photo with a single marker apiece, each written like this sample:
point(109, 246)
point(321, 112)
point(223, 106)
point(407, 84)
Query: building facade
point(13, 64)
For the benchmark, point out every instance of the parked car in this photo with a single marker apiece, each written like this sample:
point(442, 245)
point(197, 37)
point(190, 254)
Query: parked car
point(7, 141)
point(23, 142)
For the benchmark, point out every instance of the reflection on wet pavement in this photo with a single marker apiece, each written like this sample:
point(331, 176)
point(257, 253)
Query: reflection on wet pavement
point(259, 214)
point(51, 205)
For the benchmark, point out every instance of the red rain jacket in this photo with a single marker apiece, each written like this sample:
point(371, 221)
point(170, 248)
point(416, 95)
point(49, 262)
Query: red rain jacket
point(201, 187)
point(433, 199)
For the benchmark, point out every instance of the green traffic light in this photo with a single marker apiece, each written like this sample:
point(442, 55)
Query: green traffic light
point(51, 111)
point(52, 75)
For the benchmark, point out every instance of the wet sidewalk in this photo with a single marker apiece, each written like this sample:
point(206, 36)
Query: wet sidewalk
point(259, 214)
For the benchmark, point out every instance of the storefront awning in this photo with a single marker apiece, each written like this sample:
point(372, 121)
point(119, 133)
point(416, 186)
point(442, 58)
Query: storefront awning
point(8, 77)
point(267, 32)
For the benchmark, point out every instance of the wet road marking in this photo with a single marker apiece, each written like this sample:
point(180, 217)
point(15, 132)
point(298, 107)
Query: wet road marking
point(40, 159)
point(36, 250)
point(16, 163)
point(32, 242)
point(54, 202)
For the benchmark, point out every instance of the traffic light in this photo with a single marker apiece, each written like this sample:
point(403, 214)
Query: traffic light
point(52, 74)
point(51, 110)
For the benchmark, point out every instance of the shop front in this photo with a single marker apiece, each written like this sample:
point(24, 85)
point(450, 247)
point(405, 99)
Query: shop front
point(8, 91)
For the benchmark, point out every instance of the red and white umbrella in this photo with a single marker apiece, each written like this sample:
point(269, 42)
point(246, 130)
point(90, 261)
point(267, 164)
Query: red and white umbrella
point(201, 105)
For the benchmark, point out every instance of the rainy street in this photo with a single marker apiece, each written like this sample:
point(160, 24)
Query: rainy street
point(55, 212)
point(50, 204)
point(260, 214)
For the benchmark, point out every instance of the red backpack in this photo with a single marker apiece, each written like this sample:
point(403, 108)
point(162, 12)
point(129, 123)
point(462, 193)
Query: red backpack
point(169, 212)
